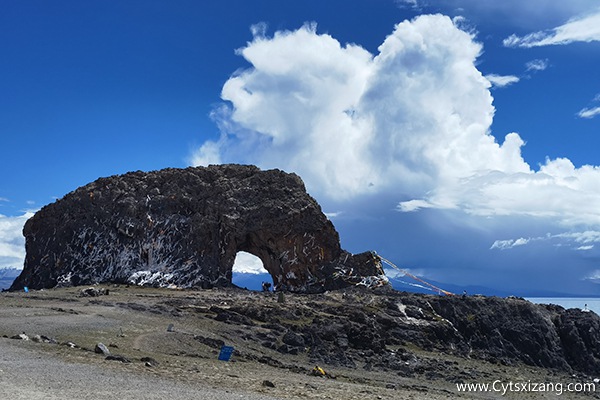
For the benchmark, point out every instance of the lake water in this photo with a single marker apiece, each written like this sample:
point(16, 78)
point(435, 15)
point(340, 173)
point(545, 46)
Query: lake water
point(593, 303)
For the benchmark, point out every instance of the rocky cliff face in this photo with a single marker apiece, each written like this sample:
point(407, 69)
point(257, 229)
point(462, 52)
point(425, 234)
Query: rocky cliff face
point(184, 227)
point(379, 330)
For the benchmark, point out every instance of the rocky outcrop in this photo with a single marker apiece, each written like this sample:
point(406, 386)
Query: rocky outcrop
point(366, 329)
point(184, 227)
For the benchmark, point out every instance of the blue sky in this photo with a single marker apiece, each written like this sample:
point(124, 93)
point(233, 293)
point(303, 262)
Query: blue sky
point(457, 138)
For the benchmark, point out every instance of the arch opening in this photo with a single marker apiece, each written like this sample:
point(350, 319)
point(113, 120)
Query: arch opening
point(249, 272)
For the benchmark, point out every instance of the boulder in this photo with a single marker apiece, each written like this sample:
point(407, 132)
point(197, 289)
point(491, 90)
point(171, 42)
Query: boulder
point(101, 349)
point(184, 227)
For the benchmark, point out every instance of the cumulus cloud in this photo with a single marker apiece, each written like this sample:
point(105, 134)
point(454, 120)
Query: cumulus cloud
point(502, 80)
point(248, 264)
point(208, 153)
point(352, 123)
point(12, 242)
point(582, 29)
point(412, 121)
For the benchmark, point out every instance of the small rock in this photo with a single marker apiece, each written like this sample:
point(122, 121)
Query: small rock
point(36, 338)
point(48, 339)
point(93, 292)
point(268, 383)
point(101, 349)
point(118, 358)
point(149, 361)
point(20, 336)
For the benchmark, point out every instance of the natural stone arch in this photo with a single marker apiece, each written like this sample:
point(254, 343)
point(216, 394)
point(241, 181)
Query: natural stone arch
point(183, 227)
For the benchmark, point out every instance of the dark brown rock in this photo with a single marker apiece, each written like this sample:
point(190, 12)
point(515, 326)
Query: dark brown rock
point(184, 227)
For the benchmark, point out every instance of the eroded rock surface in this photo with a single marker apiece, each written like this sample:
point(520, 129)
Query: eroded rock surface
point(184, 227)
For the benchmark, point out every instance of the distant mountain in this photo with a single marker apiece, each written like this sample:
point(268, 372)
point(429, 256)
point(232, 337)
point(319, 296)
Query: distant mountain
point(405, 283)
point(7, 276)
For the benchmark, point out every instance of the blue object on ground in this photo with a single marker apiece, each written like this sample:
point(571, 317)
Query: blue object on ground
point(225, 353)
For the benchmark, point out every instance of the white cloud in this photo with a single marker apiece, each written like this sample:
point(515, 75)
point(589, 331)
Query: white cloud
point(414, 205)
point(12, 242)
point(575, 240)
point(208, 153)
point(585, 237)
point(594, 276)
point(259, 29)
point(331, 215)
point(412, 121)
point(248, 264)
point(414, 4)
point(536, 65)
point(582, 29)
point(509, 244)
point(351, 123)
point(397, 273)
point(502, 80)
point(589, 112)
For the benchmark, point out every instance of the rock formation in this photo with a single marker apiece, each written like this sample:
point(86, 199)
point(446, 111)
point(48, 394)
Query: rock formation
point(184, 227)
point(377, 330)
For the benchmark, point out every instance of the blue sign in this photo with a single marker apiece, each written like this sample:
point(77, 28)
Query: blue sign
point(225, 353)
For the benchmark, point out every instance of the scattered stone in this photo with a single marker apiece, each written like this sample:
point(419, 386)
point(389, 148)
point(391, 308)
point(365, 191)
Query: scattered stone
point(170, 328)
point(268, 383)
point(20, 336)
point(149, 362)
point(115, 357)
point(101, 349)
point(70, 344)
point(36, 338)
point(48, 339)
point(93, 292)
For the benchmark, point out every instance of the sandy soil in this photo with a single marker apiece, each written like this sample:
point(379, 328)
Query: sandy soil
point(133, 322)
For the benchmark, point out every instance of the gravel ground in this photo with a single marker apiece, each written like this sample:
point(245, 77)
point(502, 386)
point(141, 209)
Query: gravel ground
point(133, 322)
point(30, 375)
